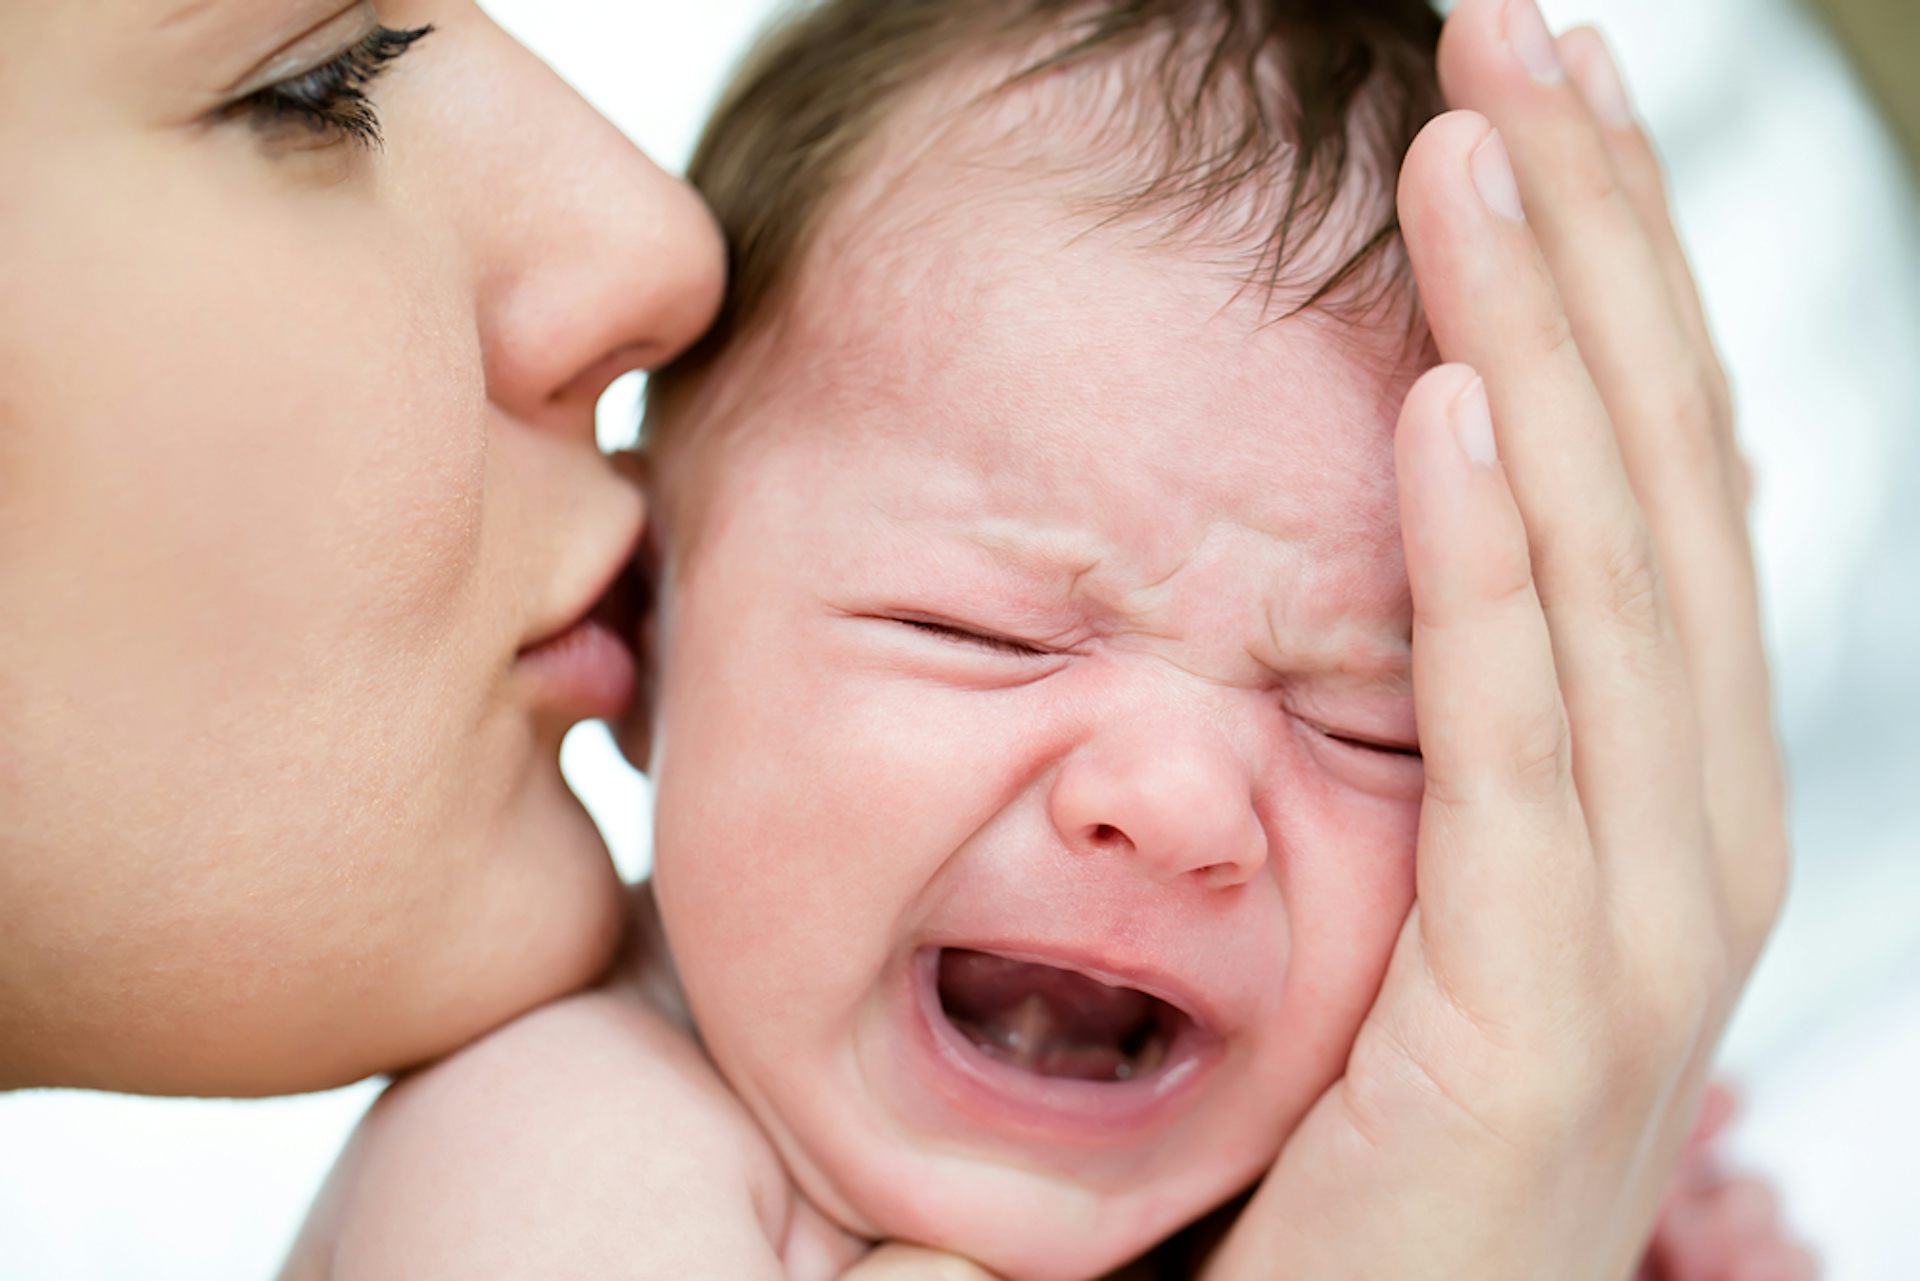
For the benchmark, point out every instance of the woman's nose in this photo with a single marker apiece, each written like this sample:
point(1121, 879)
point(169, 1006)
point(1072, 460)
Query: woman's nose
point(591, 260)
point(1178, 804)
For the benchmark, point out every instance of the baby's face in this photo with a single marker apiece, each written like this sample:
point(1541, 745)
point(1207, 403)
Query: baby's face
point(1037, 791)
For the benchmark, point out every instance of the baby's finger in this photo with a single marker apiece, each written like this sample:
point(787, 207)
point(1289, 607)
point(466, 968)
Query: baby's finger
point(1718, 1106)
point(1492, 304)
point(1712, 1229)
point(895, 1262)
point(1502, 848)
point(1779, 1261)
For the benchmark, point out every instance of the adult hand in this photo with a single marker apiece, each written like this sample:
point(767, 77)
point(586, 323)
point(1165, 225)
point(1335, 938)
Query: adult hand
point(1602, 845)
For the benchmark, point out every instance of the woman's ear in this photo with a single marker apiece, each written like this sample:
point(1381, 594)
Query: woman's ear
point(639, 614)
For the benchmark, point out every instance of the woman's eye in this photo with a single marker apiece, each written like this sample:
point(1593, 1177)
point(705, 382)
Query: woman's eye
point(983, 640)
point(330, 101)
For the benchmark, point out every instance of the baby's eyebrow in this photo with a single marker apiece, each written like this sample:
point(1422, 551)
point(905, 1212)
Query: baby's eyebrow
point(1371, 663)
point(1053, 558)
point(1363, 653)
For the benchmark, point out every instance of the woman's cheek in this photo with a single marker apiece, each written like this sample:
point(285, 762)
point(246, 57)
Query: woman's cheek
point(427, 468)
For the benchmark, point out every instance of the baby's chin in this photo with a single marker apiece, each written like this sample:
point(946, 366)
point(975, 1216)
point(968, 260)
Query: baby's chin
point(1021, 1222)
point(1027, 1152)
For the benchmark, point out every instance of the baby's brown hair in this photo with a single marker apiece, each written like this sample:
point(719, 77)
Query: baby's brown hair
point(1269, 132)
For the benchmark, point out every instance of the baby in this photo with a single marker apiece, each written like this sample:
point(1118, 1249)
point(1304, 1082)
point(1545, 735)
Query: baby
point(1031, 718)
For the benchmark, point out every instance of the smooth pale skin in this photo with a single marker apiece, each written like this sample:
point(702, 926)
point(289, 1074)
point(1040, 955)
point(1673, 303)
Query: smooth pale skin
point(835, 786)
point(296, 454)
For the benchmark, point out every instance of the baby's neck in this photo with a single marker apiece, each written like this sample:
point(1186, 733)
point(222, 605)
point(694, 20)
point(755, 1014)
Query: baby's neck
point(645, 964)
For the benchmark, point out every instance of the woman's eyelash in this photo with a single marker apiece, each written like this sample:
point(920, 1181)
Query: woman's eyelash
point(331, 99)
point(962, 636)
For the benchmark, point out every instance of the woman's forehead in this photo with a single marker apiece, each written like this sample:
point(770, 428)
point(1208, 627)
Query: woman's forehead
point(167, 27)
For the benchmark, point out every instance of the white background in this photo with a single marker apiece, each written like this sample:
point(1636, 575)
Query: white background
point(1805, 234)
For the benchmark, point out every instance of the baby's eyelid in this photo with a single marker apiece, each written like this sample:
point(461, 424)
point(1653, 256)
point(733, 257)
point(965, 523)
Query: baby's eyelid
point(1364, 742)
point(960, 633)
point(1373, 745)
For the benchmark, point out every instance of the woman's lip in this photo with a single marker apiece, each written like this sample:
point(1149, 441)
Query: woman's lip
point(587, 671)
point(994, 1095)
point(613, 589)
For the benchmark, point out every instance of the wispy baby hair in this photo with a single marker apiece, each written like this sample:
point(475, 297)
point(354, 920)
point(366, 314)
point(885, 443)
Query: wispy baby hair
point(1267, 132)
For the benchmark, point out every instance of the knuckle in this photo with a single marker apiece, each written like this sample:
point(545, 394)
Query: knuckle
point(1765, 874)
point(1630, 589)
point(1663, 1026)
point(1553, 336)
point(1506, 584)
point(1592, 179)
point(1539, 759)
point(1668, 999)
point(1645, 181)
point(1697, 421)
point(1494, 585)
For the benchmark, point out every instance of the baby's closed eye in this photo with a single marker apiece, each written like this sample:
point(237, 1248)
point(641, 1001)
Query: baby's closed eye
point(982, 638)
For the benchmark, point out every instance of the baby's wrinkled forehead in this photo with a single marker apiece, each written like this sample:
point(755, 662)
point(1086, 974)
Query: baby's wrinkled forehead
point(971, 203)
point(1122, 414)
point(1056, 305)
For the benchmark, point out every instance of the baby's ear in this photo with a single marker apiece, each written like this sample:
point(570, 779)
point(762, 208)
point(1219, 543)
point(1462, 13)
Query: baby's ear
point(635, 730)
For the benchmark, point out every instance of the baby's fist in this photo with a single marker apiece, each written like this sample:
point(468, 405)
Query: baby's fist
point(1716, 1227)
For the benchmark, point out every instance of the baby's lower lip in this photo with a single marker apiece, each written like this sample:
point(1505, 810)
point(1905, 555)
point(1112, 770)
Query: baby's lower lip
point(989, 1092)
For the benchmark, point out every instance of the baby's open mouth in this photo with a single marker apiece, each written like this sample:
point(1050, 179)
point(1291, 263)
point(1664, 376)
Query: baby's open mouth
point(1054, 1022)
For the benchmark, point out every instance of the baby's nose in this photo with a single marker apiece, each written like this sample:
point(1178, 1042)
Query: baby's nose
point(1178, 805)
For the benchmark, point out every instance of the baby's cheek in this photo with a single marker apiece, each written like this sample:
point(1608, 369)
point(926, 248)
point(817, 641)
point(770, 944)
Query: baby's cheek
point(1347, 883)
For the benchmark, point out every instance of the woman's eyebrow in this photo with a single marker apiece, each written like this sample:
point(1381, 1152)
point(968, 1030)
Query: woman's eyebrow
point(186, 14)
point(181, 18)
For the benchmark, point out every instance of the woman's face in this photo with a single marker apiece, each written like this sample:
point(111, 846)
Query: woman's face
point(297, 471)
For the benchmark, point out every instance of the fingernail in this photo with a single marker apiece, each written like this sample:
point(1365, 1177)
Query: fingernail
point(1472, 424)
point(1531, 42)
point(1493, 175)
point(1597, 76)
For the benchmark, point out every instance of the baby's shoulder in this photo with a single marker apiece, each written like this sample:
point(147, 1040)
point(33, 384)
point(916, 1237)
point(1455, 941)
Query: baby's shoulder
point(590, 1069)
point(590, 1138)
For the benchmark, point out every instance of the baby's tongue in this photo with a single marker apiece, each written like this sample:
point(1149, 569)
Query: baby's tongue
point(1050, 1021)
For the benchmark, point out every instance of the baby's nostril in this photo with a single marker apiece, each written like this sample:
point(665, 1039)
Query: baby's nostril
point(1106, 834)
point(1217, 875)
